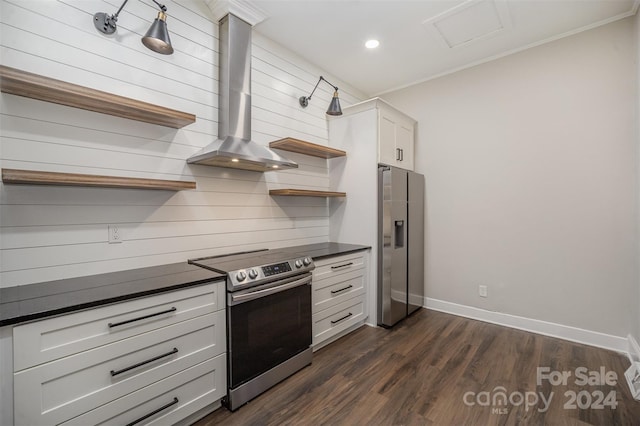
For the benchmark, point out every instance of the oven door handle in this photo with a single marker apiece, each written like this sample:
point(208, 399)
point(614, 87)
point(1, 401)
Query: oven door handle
point(236, 299)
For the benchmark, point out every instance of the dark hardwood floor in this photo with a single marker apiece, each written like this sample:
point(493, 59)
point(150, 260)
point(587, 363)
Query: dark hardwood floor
point(440, 369)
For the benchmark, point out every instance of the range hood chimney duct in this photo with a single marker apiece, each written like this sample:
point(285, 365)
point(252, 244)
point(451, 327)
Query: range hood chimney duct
point(234, 147)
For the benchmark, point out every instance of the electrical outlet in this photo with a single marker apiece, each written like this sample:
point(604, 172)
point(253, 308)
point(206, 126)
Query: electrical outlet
point(114, 234)
point(483, 291)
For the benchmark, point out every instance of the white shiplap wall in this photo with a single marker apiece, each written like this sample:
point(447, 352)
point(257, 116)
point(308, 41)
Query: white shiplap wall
point(52, 232)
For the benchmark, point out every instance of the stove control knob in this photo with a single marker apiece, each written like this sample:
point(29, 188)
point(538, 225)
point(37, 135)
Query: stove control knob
point(306, 261)
point(253, 274)
point(240, 276)
point(298, 263)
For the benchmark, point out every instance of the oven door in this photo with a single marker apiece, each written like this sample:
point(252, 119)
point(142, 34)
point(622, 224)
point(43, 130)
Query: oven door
point(267, 325)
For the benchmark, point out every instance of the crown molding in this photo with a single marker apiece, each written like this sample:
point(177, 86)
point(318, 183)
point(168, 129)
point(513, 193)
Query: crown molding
point(246, 10)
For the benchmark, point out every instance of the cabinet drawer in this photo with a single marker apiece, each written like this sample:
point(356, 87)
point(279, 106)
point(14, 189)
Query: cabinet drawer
point(338, 318)
point(194, 388)
point(43, 341)
point(63, 389)
point(337, 289)
point(326, 268)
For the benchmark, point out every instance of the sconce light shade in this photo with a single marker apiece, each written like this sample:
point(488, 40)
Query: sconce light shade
point(157, 38)
point(334, 106)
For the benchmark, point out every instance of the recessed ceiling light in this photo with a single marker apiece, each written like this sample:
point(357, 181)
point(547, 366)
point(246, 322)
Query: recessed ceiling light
point(372, 44)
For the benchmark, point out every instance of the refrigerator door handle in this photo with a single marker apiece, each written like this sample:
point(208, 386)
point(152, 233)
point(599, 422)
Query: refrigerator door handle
point(399, 233)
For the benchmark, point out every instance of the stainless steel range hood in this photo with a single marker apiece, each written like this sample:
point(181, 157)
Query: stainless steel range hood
point(234, 147)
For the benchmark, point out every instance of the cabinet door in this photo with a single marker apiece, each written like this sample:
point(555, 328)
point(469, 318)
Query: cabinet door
point(166, 401)
point(387, 153)
point(395, 140)
point(404, 143)
point(55, 338)
point(60, 390)
point(337, 279)
point(338, 318)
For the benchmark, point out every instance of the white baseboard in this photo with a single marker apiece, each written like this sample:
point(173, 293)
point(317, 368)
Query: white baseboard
point(587, 337)
point(633, 349)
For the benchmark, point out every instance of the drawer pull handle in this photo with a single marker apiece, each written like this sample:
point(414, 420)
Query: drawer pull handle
point(342, 266)
point(140, 364)
point(116, 324)
point(146, 416)
point(341, 319)
point(342, 289)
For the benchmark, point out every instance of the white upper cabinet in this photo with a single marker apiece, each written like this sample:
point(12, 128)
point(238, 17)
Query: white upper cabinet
point(395, 138)
point(394, 131)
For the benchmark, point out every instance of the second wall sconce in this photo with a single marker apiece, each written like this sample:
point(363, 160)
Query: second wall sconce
point(156, 39)
point(334, 106)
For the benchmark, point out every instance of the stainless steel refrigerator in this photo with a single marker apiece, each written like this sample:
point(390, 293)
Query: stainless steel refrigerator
point(400, 244)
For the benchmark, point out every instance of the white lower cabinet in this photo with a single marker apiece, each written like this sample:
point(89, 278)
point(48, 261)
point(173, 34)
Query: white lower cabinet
point(339, 296)
point(168, 400)
point(43, 341)
point(179, 367)
point(336, 319)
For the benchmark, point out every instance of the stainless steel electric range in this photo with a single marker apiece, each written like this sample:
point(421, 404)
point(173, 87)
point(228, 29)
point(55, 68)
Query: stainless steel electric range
point(268, 319)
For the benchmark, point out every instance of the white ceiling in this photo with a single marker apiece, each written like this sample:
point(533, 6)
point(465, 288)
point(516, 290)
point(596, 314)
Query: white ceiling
point(422, 39)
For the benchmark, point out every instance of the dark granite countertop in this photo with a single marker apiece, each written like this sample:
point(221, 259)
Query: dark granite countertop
point(324, 250)
point(40, 300)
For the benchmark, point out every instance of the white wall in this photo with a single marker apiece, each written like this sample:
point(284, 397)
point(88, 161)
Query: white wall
point(531, 175)
point(50, 233)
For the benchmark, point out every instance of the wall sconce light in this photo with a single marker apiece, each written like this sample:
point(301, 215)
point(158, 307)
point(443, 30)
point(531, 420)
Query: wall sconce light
point(334, 106)
point(156, 39)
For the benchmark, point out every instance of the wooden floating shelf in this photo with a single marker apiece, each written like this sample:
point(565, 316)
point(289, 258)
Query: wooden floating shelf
point(306, 193)
point(307, 148)
point(22, 83)
point(13, 176)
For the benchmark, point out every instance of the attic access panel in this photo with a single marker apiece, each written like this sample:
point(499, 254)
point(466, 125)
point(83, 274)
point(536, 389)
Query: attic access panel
point(468, 22)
